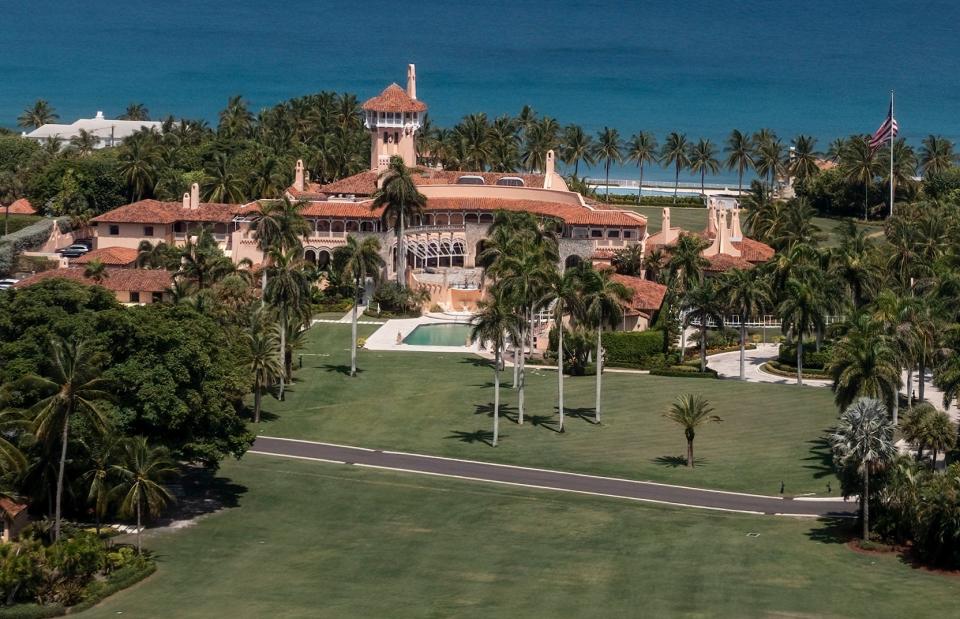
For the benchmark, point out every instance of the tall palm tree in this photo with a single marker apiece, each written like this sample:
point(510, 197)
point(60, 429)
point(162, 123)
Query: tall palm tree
point(135, 111)
point(142, 471)
point(602, 300)
point(236, 120)
point(703, 159)
point(288, 293)
point(642, 148)
point(222, 182)
point(769, 158)
point(607, 150)
point(686, 260)
point(803, 164)
point(77, 385)
point(803, 310)
point(739, 151)
point(102, 455)
point(139, 162)
point(747, 293)
point(563, 293)
point(399, 199)
point(690, 411)
point(96, 270)
point(495, 323)
point(859, 164)
point(577, 146)
point(675, 152)
point(356, 261)
point(704, 301)
point(936, 155)
point(262, 352)
point(864, 439)
point(864, 364)
point(278, 224)
point(39, 114)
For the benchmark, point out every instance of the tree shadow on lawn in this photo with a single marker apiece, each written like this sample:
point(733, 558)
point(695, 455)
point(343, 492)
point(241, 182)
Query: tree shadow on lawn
point(833, 530)
point(588, 414)
point(339, 368)
point(550, 422)
point(477, 436)
point(675, 462)
point(202, 492)
point(477, 362)
point(506, 411)
point(820, 458)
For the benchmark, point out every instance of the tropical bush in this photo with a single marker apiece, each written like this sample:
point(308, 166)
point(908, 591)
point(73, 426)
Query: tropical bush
point(812, 358)
point(683, 371)
point(631, 199)
point(393, 299)
point(643, 349)
point(24, 238)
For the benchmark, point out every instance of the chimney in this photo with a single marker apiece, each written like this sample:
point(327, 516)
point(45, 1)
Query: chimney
point(194, 196)
point(99, 115)
point(412, 81)
point(298, 176)
point(549, 172)
point(711, 220)
point(668, 236)
point(736, 234)
point(186, 200)
point(726, 247)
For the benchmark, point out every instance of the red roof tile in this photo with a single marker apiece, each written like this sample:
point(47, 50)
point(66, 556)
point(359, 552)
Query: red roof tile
point(365, 183)
point(394, 99)
point(754, 251)
point(22, 207)
point(572, 215)
point(132, 280)
point(12, 508)
point(647, 295)
point(156, 212)
point(110, 256)
point(724, 262)
point(362, 184)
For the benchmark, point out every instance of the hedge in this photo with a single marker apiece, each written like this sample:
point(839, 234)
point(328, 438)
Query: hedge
point(12, 244)
point(631, 200)
point(812, 358)
point(790, 371)
point(642, 349)
point(683, 371)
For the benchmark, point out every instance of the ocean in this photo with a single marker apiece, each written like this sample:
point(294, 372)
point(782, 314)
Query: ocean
point(818, 67)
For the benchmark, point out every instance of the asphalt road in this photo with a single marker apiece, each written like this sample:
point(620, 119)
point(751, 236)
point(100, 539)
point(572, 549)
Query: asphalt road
point(552, 480)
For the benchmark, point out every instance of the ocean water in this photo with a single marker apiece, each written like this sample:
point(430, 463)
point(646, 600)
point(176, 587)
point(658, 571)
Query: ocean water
point(814, 66)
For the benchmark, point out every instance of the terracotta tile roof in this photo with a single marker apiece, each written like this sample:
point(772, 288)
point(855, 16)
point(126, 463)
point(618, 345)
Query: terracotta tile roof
point(311, 191)
point(132, 280)
point(572, 215)
point(12, 508)
point(754, 251)
point(365, 183)
point(647, 295)
point(394, 99)
point(724, 262)
point(156, 212)
point(110, 256)
point(21, 207)
point(336, 208)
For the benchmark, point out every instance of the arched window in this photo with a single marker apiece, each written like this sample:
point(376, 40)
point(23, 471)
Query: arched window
point(323, 259)
point(366, 226)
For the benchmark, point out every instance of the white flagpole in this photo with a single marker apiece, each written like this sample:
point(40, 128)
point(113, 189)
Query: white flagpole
point(891, 153)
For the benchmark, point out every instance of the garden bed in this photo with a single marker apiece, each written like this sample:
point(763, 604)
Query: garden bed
point(778, 369)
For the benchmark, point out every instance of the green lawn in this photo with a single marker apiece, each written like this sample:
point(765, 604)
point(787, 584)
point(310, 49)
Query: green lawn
point(441, 404)
point(316, 540)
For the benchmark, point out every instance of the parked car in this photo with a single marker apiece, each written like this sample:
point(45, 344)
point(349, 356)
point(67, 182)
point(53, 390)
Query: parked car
point(7, 283)
point(75, 251)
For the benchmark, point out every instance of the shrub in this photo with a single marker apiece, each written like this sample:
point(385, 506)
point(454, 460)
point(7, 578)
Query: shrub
point(643, 349)
point(435, 308)
point(683, 371)
point(812, 358)
point(631, 199)
point(393, 298)
point(23, 239)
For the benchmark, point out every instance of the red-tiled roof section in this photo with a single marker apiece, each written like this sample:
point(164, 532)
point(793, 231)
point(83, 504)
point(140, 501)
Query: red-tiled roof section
point(12, 508)
point(754, 251)
point(724, 262)
point(394, 99)
point(133, 280)
point(156, 212)
point(110, 256)
point(572, 215)
point(335, 208)
point(362, 184)
point(365, 183)
point(21, 207)
point(647, 295)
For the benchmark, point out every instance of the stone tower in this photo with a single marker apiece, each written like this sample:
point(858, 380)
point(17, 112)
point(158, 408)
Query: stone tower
point(393, 118)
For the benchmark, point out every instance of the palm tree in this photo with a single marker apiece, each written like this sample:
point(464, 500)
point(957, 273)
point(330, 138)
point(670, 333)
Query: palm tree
point(577, 146)
point(139, 161)
point(142, 472)
point(221, 182)
point(399, 199)
point(96, 270)
point(202, 261)
point(939, 434)
point(675, 153)
point(859, 164)
point(563, 293)
point(495, 323)
point(288, 292)
point(150, 256)
point(629, 260)
point(686, 260)
point(602, 300)
point(642, 148)
point(356, 261)
point(607, 150)
point(936, 155)
point(135, 111)
point(101, 457)
point(84, 143)
point(278, 224)
point(802, 310)
point(746, 293)
point(739, 151)
point(690, 411)
point(864, 364)
point(75, 378)
point(803, 164)
point(703, 301)
point(39, 114)
point(864, 439)
point(769, 158)
point(262, 357)
point(703, 159)
point(236, 121)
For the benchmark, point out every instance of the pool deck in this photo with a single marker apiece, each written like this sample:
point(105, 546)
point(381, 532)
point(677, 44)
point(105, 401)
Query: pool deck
point(390, 336)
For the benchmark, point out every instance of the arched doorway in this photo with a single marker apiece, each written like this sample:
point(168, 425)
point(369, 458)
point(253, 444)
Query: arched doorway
point(323, 259)
point(572, 261)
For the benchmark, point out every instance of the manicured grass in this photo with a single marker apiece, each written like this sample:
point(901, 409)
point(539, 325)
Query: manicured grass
point(442, 404)
point(319, 540)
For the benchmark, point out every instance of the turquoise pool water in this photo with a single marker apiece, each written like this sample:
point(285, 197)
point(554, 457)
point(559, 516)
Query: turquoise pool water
point(455, 334)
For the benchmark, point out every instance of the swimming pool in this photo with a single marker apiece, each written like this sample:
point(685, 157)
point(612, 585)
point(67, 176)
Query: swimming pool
point(439, 334)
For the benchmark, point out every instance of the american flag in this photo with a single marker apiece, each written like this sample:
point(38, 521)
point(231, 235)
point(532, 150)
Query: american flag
point(887, 131)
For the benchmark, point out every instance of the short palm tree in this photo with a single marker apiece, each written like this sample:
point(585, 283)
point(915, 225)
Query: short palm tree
point(641, 149)
point(141, 473)
point(84, 143)
point(400, 200)
point(494, 324)
point(747, 293)
point(602, 300)
point(864, 439)
point(78, 386)
point(96, 270)
point(577, 146)
point(607, 150)
point(356, 261)
point(135, 111)
point(803, 163)
point(704, 302)
point(288, 293)
point(150, 256)
point(262, 353)
point(102, 455)
point(675, 152)
point(803, 310)
point(37, 115)
point(864, 364)
point(936, 155)
point(690, 411)
point(703, 160)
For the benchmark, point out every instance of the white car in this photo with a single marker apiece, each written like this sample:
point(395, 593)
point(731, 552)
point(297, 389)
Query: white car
point(7, 283)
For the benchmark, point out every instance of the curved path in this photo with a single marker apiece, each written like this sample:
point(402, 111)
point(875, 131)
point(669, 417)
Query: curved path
point(551, 480)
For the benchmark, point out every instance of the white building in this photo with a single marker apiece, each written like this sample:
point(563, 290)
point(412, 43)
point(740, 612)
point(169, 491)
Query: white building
point(109, 132)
